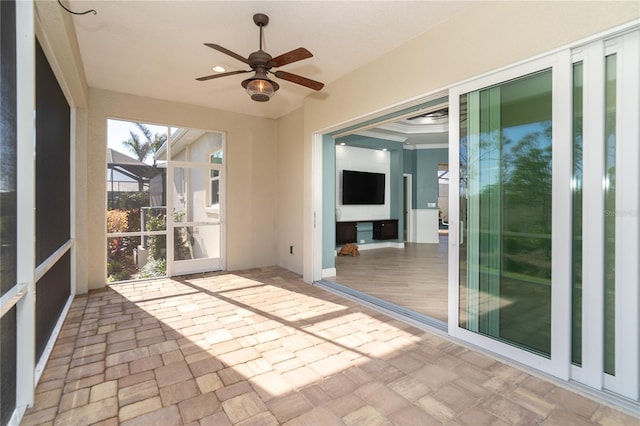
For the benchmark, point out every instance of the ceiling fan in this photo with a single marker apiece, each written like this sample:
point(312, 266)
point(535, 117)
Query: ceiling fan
point(260, 87)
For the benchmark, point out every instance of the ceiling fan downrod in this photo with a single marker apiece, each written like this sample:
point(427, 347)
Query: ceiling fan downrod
point(261, 20)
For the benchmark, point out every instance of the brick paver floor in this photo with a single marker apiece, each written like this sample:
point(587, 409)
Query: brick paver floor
point(260, 347)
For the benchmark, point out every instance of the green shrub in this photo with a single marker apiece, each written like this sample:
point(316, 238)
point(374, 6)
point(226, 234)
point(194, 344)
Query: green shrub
point(157, 244)
point(154, 268)
point(117, 271)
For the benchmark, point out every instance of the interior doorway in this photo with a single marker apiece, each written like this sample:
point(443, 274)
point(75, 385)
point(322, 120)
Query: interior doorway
point(407, 274)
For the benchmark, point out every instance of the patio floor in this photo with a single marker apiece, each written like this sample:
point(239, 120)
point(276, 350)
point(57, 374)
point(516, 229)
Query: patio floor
point(260, 347)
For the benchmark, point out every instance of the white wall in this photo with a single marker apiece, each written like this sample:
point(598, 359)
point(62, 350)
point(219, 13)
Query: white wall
point(362, 160)
point(426, 226)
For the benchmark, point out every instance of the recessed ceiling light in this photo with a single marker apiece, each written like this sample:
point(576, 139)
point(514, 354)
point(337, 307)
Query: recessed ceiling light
point(219, 68)
point(342, 143)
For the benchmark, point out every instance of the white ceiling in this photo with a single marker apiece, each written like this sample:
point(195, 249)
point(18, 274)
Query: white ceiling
point(155, 48)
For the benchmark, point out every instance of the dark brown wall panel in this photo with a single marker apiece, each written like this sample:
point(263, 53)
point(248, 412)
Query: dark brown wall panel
point(52, 161)
point(52, 197)
point(7, 365)
point(8, 210)
point(52, 292)
point(8, 124)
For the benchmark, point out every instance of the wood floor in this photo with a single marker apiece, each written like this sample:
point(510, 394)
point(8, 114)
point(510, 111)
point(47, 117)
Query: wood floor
point(414, 277)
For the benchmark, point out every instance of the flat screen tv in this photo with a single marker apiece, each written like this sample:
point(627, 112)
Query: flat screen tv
point(362, 187)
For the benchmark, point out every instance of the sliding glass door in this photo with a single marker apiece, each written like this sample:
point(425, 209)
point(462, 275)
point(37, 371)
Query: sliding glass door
point(506, 169)
point(544, 213)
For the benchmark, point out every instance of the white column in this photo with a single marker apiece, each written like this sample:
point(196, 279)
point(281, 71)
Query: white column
point(25, 91)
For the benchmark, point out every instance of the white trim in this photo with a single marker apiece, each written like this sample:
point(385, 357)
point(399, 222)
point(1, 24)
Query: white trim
point(387, 244)
point(453, 293)
point(222, 205)
point(377, 135)
point(593, 216)
point(73, 211)
point(329, 272)
point(194, 266)
point(12, 297)
point(42, 362)
point(561, 214)
point(507, 350)
point(316, 272)
point(413, 129)
point(627, 350)
point(25, 94)
point(50, 261)
point(169, 200)
point(408, 206)
point(135, 234)
point(427, 146)
point(16, 417)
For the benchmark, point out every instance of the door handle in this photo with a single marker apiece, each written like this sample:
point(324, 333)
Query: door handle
point(461, 232)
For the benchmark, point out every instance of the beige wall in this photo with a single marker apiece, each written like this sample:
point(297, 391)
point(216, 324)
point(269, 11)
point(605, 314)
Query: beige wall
point(251, 155)
point(290, 190)
point(270, 211)
point(251, 158)
point(486, 37)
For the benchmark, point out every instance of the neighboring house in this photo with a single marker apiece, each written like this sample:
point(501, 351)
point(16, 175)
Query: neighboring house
point(126, 175)
point(557, 53)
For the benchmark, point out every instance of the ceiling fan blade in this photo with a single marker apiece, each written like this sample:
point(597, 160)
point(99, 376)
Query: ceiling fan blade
point(303, 81)
point(293, 56)
point(227, 52)
point(224, 74)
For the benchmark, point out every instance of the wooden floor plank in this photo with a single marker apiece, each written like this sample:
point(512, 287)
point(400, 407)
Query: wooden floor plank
point(414, 277)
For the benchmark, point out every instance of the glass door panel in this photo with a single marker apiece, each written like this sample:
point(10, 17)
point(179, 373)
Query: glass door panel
point(505, 210)
point(610, 215)
point(576, 227)
point(196, 220)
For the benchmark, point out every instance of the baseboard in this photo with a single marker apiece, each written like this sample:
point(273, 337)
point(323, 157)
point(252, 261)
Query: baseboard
point(329, 272)
point(386, 244)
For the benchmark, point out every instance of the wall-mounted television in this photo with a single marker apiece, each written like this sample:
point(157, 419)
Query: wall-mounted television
point(362, 187)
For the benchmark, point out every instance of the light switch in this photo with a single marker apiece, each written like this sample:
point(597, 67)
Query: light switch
point(431, 205)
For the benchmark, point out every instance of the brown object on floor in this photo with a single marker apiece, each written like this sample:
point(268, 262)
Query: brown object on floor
point(349, 248)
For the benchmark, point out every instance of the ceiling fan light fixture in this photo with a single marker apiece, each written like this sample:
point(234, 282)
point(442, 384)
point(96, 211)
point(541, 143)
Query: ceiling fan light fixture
point(260, 87)
point(260, 90)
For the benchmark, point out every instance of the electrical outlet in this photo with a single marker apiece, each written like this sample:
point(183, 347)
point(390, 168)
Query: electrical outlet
point(431, 205)
point(361, 241)
point(290, 249)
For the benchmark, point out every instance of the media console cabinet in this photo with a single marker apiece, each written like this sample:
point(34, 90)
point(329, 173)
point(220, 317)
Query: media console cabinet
point(347, 231)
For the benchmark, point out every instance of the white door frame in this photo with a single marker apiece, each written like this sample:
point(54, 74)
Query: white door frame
point(191, 266)
point(408, 205)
